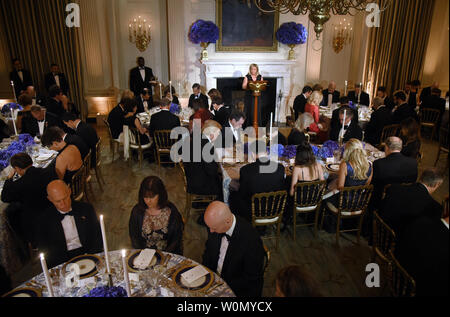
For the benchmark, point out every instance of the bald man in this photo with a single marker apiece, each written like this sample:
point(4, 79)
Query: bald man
point(330, 95)
point(234, 250)
point(67, 229)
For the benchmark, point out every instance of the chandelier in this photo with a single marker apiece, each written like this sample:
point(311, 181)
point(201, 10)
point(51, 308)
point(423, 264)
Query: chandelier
point(139, 34)
point(319, 10)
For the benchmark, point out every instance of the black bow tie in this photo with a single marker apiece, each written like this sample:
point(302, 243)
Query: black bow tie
point(346, 127)
point(141, 68)
point(226, 236)
point(41, 120)
point(62, 216)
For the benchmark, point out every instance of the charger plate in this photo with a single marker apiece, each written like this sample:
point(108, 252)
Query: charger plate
point(200, 284)
point(24, 292)
point(156, 260)
point(87, 264)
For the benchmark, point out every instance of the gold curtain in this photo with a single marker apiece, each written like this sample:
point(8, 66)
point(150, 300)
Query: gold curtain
point(37, 34)
point(396, 50)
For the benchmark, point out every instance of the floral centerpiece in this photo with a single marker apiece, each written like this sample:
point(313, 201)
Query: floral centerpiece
point(203, 33)
point(11, 109)
point(327, 150)
point(291, 34)
point(174, 108)
point(16, 147)
point(279, 150)
point(105, 291)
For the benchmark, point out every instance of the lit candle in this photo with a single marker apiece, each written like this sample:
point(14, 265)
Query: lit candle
point(48, 281)
point(270, 130)
point(160, 91)
point(105, 244)
point(343, 123)
point(346, 86)
point(14, 90)
point(125, 273)
point(170, 90)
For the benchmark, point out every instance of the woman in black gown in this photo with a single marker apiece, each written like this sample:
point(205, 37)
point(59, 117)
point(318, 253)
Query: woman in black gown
point(253, 75)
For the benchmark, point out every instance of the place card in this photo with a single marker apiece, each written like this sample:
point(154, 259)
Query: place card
point(144, 259)
point(194, 274)
point(330, 160)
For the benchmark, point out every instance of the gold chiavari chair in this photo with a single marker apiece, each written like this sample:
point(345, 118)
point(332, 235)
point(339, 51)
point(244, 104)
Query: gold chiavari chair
point(401, 283)
point(78, 185)
point(135, 143)
point(163, 144)
point(112, 142)
point(353, 203)
point(389, 185)
point(443, 145)
point(98, 163)
point(383, 239)
point(388, 131)
point(267, 210)
point(191, 198)
point(308, 199)
point(429, 118)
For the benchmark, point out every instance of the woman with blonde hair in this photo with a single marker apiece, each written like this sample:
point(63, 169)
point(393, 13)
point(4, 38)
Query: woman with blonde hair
point(252, 76)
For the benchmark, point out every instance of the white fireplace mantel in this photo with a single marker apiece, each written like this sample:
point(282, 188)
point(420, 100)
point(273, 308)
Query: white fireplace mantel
point(235, 68)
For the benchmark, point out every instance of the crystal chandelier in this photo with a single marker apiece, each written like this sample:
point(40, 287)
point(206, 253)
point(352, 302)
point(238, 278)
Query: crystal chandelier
point(319, 10)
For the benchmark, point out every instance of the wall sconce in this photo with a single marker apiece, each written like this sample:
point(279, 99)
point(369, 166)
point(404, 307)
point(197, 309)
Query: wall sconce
point(342, 35)
point(139, 33)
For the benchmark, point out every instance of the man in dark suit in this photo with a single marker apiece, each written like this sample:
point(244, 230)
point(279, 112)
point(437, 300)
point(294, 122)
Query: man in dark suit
point(197, 94)
point(330, 95)
point(29, 191)
point(301, 100)
point(39, 121)
point(262, 176)
point(404, 204)
point(351, 128)
point(144, 101)
point(85, 131)
point(20, 77)
point(67, 229)
point(164, 120)
point(358, 96)
point(55, 77)
point(141, 77)
point(221, 112)
point(117, 116)
point(387, 101)
point(55, 103)
point(381, 117)
point(402, 109)
point(234, 250)
point(335, 122)
point(232, 131)
point(426, 92)
point(74, 139)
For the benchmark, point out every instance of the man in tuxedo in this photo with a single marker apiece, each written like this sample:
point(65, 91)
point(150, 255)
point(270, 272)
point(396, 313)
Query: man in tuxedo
point(85, 131)
point(221, 112)
point(67, 229)
point(55, 77)
point(29, 191)
point(164, 120)
point(234, 250)
point(301, 100)
point(197, 94)
point(144, 101)
point(405, 203)
point(330, 95)
point(56, 101)
point(117, 116)
point(381, 117)
point(141, 77)
point(40, 121)
point(262, 176)
point(426, 92)
point(351, 128)
point(73, 139)
point(36, 99)
point(232, 131)
point(395, 168)
point(335, 122)
point(21, 77)
point(387, 101)
point(411, 89)
point(402, 109)
point(358, 96)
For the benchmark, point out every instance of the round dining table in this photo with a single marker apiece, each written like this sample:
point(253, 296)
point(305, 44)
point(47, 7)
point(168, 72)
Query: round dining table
point(162, 278)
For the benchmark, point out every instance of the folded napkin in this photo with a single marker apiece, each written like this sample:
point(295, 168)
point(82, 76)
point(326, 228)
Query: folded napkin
point(144, 259)
point(194, 274)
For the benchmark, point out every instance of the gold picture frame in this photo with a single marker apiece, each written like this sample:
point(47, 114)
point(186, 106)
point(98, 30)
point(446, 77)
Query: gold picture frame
point(225, 45)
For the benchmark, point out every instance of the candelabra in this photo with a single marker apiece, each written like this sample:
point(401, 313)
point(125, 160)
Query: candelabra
point(139, 33)
point(342, 35)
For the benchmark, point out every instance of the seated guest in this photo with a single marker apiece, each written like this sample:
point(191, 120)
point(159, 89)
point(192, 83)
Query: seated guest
point(144, 101)
point(402, 109)
point(335, 122)
point(39, 121)
point(411, 90)
point(387, 101)
point(67, 229)
point(30, 191)
point(234, 250)
point(197, 94)
point(405, 203)
point(330, 95)
point(349, 130)
point(301, 125)
point(85, 131)
point(213, 92)
point(155, 223)
point(171, 95)
point(68, 161)
point(262, 176)
point(221, 112)
point(36, 99)
point(426, 92)
point(117, 116)
point(55, 103)
point(232, 131)
point(410, 135)
point(134, 122)
point(395, 168)
point(73, 139)
point(306, 168)
point(300, 101)
point(163, 120)
point(55, 77)
point(293, 281)
point(358, 96)
point(422, 249)
point(312, 107)
point(200, 116)
point(381, 117)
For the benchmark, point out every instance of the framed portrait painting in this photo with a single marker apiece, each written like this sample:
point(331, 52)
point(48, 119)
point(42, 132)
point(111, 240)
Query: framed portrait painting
point(244, 28)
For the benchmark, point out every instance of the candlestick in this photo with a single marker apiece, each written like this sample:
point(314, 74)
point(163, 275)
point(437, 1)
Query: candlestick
point(343, 125)
point(270, 130)
point(160, 91)
point(346, 87)
point(48, 280)
point(125, 274)
point(105, 244)
point(170, 90)
point(14, 91)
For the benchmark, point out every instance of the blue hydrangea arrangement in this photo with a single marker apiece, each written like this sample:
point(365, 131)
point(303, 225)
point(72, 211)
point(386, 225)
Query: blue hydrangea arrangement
point(327, 150)
point(174, 108)
point(291, 33)
point(6, 109)
point(203, 32)
point(105, 291)
point(16, 147)
point(289, 151)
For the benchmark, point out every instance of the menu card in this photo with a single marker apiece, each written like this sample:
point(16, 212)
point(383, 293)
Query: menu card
point(194, 274)
point(144, 259)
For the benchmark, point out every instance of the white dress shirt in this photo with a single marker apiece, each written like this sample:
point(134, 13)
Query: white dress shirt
point(224, 247)
point(235, 132)
point(57, 80)
point(20, 73)
point(145, 103)
point(41, 127)
point(330, 99)
point(445, 223)
point(70, 232)
point(142, 71)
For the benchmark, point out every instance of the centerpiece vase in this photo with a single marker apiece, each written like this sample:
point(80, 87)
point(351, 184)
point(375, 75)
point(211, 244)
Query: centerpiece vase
point(291, 56)
point(204, 45)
